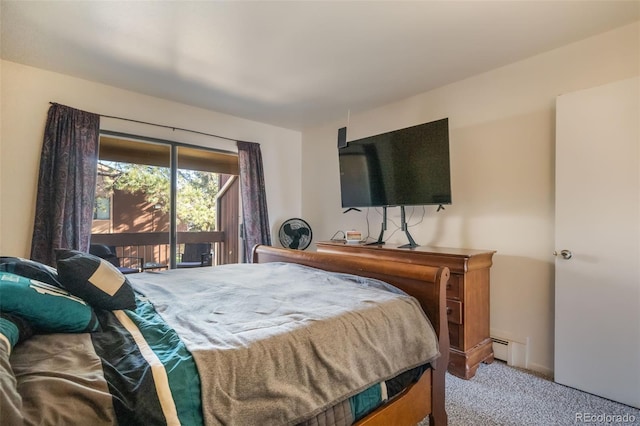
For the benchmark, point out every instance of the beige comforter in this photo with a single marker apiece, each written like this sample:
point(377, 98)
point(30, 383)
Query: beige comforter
point(278, 343)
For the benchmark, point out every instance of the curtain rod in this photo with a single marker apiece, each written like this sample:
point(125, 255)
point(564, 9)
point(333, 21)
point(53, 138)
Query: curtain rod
point(160, 125)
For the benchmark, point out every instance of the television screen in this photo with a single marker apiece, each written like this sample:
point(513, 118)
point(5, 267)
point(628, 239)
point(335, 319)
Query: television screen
point(406, 167)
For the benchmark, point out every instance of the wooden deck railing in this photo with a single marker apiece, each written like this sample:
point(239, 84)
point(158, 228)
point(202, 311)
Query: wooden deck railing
point(153, 247)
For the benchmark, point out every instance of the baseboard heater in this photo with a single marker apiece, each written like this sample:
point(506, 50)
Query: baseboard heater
point(500, 349)
point(513, 353)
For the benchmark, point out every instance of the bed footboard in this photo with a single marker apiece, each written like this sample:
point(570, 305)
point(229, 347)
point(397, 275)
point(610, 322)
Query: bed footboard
point(428, 285)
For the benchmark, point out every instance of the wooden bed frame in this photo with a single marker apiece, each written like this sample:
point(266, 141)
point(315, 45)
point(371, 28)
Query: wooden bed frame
point(425, 283)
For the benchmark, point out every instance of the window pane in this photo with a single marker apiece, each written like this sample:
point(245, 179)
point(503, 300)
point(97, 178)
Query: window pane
point(102, 209)
point(196, 202)
point(140, 197)
point(132, 215)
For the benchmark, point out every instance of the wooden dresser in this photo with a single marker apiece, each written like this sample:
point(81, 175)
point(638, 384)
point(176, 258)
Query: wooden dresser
point(467, 295)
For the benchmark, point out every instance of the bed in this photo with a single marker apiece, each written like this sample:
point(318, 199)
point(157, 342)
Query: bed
point(285, 352)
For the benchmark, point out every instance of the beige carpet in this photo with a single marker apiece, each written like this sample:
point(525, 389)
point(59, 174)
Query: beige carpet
point(502, 395)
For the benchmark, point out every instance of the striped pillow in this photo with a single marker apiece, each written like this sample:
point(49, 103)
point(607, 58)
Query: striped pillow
point(95, 280)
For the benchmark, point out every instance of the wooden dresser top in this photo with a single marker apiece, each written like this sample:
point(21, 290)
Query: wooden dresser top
point(455, 258)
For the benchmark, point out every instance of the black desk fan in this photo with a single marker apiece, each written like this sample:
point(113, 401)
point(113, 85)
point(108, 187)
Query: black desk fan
point(295, 234)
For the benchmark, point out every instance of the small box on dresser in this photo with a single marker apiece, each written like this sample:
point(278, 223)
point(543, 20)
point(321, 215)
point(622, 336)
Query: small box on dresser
point(467, 295)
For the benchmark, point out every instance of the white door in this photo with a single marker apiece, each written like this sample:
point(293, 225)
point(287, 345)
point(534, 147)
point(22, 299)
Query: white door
point(597, 305)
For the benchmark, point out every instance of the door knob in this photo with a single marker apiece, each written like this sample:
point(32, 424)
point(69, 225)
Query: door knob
point(565, 254)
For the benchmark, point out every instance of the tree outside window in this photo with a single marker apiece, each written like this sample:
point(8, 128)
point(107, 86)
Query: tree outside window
point(197, 191)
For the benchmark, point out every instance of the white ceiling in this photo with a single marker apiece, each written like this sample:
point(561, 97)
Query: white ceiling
point(292, 63)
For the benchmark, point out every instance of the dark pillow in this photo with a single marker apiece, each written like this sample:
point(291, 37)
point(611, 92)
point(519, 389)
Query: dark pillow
point(95, 280)
point(47, 308)
point(30, 269)
point(14, 329)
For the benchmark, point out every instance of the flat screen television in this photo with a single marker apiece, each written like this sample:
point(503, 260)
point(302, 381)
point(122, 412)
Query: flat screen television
point(406, 167)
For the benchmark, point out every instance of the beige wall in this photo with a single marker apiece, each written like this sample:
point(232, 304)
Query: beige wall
point(25, 96)
point(502, 126)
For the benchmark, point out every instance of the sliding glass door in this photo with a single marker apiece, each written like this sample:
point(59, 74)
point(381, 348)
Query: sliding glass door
point(159, 204)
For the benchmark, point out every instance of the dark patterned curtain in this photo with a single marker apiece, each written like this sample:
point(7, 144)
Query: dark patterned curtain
point(255, 217)
point(67, 183)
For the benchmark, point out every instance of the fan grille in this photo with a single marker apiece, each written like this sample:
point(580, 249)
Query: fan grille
point(295, 234)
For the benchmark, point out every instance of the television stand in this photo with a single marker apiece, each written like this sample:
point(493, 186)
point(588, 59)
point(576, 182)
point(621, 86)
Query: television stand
point(382, 229)
point(404, 227)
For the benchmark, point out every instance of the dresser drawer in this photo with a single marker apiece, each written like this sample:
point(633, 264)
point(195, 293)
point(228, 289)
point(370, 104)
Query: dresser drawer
point(455, 336)
point(454, 287)
point(454, 311)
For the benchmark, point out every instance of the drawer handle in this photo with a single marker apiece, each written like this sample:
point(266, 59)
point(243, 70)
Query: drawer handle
point(448, 286)
point(449, 310)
